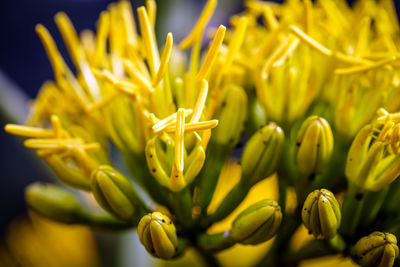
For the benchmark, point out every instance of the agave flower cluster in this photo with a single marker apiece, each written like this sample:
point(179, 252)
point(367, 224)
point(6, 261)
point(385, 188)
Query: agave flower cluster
point(310, 89)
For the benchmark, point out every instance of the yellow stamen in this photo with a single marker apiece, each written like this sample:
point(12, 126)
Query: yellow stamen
point(29, 132)
point(308, 15)
point(53, 143)
point(101, 39)
point(194, 126)
point(70, 37)
point(151, 8)
point(205, 138)
point(212, 53)
point(137, 76)
point(289, 51)
point(310, 41)
point(92, 147)
point(87, 164)
point(103, 102)
point(274, 56)
point(152, 56)
point(362, 68)
point(56, 125)
point(54, 55)
point(201, 100)
point(269, 18)
point(123, 86)
point(164, 59)
point(129, 23)
point(199, 27)
point(171, 119)
point(236, 42)
point(179, 139)
point(324, 50)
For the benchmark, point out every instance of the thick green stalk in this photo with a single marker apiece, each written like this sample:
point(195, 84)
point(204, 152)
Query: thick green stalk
point(181, 206)
point(208, 177)
point(104, 222)
point(351, 210)
point(215, 242)
point(372, 205)
point(137, 166)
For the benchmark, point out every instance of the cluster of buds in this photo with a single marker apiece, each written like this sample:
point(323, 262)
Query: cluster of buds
point(300, 84)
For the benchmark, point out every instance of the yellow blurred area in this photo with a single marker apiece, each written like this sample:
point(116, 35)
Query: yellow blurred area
point(38, 242)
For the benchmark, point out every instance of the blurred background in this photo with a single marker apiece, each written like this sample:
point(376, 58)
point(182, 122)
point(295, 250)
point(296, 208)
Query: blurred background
point(23, 68)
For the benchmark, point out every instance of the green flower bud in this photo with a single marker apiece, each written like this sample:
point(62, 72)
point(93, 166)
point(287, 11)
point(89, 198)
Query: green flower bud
point(258, 223)
point(314, 145)
point(157, 233)
point(377, 249)
point(115, 193)
point(231, 114)
point(321, 214)
point(262, 153)
point(371, 161)
point(54, 203)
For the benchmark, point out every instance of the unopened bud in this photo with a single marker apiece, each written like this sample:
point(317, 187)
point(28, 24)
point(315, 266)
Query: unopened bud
point(262, 153)
point(377, 249)
point(157, 233)
point(115, 193)
point(231, 114)
point(321, 214)
point(258, 223)
point(314, 145)
point(54, 203)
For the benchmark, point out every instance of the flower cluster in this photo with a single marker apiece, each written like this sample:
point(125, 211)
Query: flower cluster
point(300, 84)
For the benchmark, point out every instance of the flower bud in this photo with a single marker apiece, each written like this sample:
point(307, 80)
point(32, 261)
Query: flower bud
point(377, 249)
point(258, 223)
point(314, 145)
point(160, 162)
point(54, 203)
point(231, 114)
point(373, 161)
point(262, 153)
point(321, 214)
point(157, 233)
point(115, 193)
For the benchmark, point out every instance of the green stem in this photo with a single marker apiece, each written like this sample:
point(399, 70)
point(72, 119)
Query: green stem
point(372, 205)
point(215, 242)
point(208, 177)
point(276, 255)
point(181, 205)
point(137, 166)
point(104, 222)
point(351, 210)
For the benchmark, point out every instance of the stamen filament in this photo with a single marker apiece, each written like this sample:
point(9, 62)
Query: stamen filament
point(201, 23)
point(194, 126)
point(150, 45)
point(164, 60)
point(171, 119)
point(201, 100)
point(362, 68)
point(137, 76)
point(212, 53)
point(28, 131)
point(101, 39)
point(179, 139)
